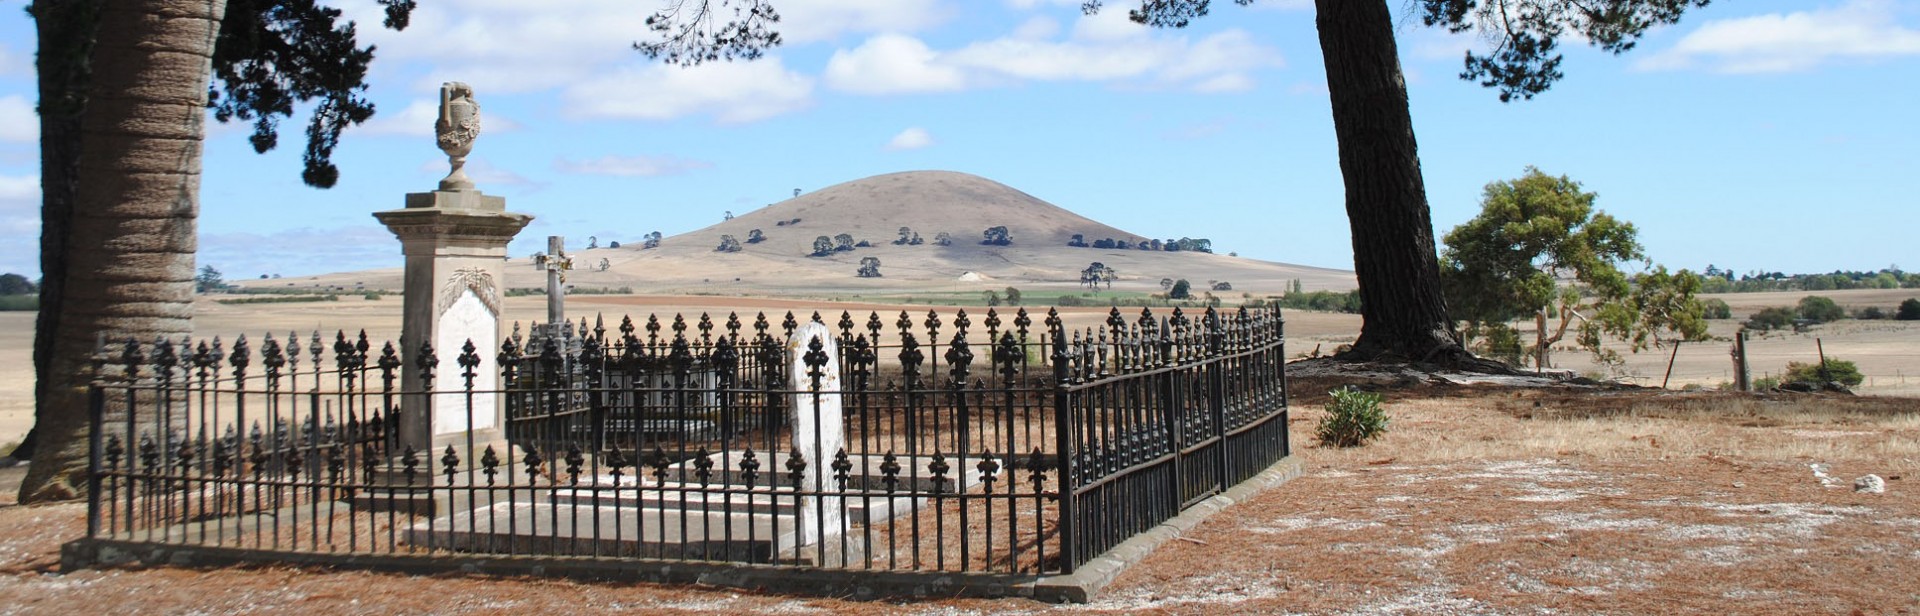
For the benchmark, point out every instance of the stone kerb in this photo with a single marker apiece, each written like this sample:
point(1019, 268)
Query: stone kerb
point(819, 429)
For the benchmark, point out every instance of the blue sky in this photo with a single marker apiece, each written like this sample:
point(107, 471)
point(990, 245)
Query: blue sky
point(1761, 134)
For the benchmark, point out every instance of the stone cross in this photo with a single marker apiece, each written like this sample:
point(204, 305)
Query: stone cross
point(557, 262)
point(819, 431)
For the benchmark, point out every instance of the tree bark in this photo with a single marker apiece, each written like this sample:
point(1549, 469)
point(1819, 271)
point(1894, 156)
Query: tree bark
point(1403, 313)
point(66, 30)
point(128, 247)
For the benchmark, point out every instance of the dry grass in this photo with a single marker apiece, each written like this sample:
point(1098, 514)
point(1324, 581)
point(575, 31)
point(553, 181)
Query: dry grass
point(1478, 500)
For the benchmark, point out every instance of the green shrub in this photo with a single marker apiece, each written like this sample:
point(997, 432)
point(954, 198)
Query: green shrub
point(1820, 309)
point(1765, 383)
point(1870, 313)
point(1353, 418)
point(1909, 310)
point(371, 297)
point(11, 303)
point(1716, 309)
point(1771, 318)
point(1838, 370)
point(1070, 300)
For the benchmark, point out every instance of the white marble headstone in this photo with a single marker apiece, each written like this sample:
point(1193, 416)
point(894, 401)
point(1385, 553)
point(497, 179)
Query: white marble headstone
point(467, 318)
point(819, 431)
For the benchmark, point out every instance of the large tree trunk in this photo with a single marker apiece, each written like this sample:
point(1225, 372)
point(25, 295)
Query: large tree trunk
point(1403, 313)
point(65, 29)
point(129, 246)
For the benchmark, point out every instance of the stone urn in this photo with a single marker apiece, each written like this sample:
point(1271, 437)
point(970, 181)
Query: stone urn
point(455, 130)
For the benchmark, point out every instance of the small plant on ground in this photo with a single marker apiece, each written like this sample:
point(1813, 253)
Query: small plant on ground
point(1837, 370)
point(1353, 418)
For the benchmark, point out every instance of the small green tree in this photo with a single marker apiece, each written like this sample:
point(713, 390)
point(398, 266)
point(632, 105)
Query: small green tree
point(822, 246)
point(1532, 233)
point(1013, 296)
point(1770, 318)
point(1820, 309)
point(1836, 370)
point(15, 284)
point(208, 279)
point(1181, 289)
point(1716, 308)
point(1909, 310)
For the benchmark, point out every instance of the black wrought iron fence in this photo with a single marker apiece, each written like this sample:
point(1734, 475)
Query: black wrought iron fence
point(1004, 446)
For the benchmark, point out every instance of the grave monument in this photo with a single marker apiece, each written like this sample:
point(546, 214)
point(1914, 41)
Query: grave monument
point(455, 242)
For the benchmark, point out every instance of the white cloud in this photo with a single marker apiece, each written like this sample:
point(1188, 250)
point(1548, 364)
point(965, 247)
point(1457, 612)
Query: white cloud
point(19, 123)
point(338, 249)
point(891, 63)
point(417, 118)
point(484, 174)
point(1037, 28)
point(13, 62)
point(19, 193)
point(731, 92)
point(20, 219)
point(1777, 42)
point(910, 139)
point(806, 21)
point(1100, 48)
point(507, 46)
point(631, 166)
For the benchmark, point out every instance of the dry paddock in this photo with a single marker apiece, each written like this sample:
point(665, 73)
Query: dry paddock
point(1478, 501)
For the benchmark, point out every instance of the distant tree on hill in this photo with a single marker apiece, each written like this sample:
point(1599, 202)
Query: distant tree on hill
point(208, 280)
point(996, 236)
point(1103, 243)
point(1077, 241)
point(613, 244)
point(843, 242)
point(942, 239)
point(1156, 245)
point(1181, 290)
point(1222, 286)
point(652, 241)
point(906, 235)
point(796, 192)
point(1122, 244)
point(15, 284)
point(1166, 284)
point(728, 244)
point(822, 246)
point(755, 237)
point(863, 244)
point(1013, 296)
point(727, 216)
point(593, 241)
point(916, 241)
point(869, 267)
point(605, 264)
point(992, 297)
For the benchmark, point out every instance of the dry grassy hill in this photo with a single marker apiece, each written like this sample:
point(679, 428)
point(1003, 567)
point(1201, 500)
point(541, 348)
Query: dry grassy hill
point(873, 209)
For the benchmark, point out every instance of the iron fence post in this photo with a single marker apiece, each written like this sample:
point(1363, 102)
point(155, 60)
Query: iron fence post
point(1217, 396)
point(1063, 437)
point(96, 408)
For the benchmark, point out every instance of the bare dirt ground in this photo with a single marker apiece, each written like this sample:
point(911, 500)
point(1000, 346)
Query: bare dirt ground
point(1480, 500)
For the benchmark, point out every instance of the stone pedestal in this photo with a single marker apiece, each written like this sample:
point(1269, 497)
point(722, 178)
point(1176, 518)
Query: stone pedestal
point(455, 244)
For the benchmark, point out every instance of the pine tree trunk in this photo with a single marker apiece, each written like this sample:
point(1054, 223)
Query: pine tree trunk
point(128, 250)
point(1403, 313)
point(65, 29)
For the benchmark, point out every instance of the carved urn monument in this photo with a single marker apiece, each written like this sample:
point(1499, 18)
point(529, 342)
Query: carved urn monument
point(455, 242)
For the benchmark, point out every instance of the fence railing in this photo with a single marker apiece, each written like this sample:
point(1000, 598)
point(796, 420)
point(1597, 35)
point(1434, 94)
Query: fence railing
point(944, 445)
